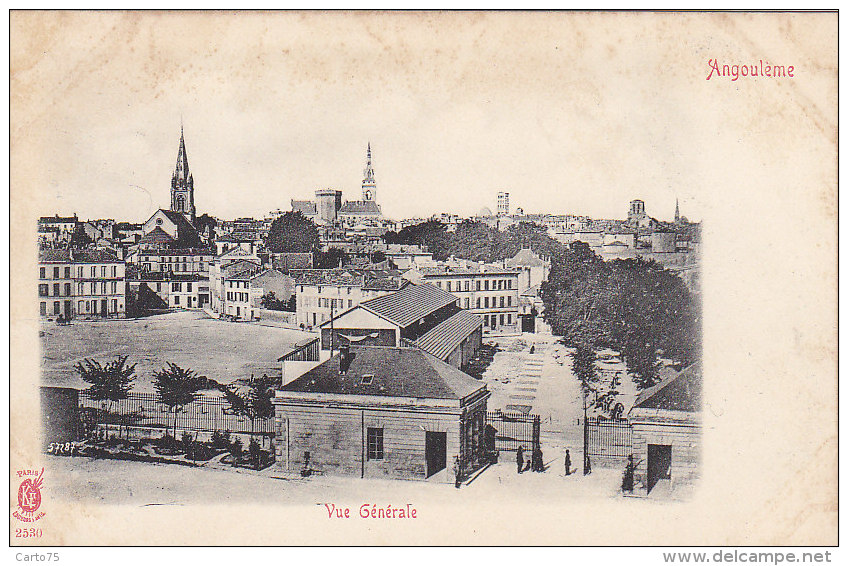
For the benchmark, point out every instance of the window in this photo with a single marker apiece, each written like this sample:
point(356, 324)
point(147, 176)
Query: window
point(43, 308)
point(44, 290)
point(114, 287)
point(448, 286)
point(502, 320)
point(509, 284)
point(114, 305)
point(375, 443)
point(478, 288)
point(114, 271)
point(67, 289)
point(102, 271)
point(367, 379)
point(55, 273)
point(102, 287)
point(41, 273)
point(350, 303)
point(158, 287)
point(67, 273)
point(467, 285)
point(80, 288)
point(175, 287)
point(56, 307)
point(79, 271)
point(188, 286)
point(509, 319)
point(81, 306)
point(176, 299)
point(486, 284)
point(94, 271)
point(502, 303)
point(467, 303)
point(509, 301)
point(478, 301)
point(486, 302)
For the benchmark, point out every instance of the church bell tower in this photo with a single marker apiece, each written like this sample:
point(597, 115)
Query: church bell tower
point(182, 184)
point(369, 185)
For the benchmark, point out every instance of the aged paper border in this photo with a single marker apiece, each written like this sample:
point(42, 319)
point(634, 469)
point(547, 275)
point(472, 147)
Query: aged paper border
point(769, 279)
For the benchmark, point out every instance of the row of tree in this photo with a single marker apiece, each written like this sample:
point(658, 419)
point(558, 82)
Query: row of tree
point(176, 387)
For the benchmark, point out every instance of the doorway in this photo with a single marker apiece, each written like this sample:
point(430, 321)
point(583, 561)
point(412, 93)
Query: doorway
point(659, 464)
point(103, 307)
point(436, 452)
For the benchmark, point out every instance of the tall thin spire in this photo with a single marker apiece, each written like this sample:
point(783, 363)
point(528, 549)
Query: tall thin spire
point(677, 210)
point(369, 184)
point(182, 182)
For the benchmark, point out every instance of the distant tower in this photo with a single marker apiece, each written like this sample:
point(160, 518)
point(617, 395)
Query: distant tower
point(369, 185)
point(182, 184)
point(503, 204)
point(676, 211)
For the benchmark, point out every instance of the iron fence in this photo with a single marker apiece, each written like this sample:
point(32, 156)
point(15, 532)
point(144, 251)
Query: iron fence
point(206, 414)
point(609, 440)
point(508, 431)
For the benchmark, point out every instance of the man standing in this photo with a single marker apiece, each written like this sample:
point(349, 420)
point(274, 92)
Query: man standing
point(567, 462)
point(519, 458)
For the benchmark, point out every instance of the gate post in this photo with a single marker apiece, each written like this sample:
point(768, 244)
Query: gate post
point(536, 432)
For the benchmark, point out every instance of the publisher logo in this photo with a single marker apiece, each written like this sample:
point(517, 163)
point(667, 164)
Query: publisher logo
point(29, 496)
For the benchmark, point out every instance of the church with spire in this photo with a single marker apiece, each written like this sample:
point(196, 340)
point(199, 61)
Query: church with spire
point(174, 228)
point(354, 211)
point(182, 184)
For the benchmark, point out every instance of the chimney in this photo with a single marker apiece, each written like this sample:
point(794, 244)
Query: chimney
point(344, 358)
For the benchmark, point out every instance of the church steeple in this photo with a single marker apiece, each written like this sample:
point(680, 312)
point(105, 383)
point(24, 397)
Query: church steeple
point(182, 183)
point(676, 210)
point(369, 184)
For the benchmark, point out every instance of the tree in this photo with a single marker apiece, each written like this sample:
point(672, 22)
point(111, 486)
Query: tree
point(177, 387)
point(111, 382)
point(252, 400)
point(270, 301)
point(332, 258)
point(79, 239)
point(293, 232)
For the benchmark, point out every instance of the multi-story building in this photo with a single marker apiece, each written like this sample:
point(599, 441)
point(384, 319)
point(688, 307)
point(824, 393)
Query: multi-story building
point(56, 230)
point(227, 266)
point(187, 291)
point(243, 292)
point(485, 289)
point(75, 283)
point(193, 261)
point(321, 292)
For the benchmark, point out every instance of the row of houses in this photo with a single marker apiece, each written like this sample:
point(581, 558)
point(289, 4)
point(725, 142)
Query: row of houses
point(74, 283)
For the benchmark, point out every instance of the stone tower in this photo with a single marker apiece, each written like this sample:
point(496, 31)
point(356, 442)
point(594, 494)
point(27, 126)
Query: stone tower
point(369, 185)
point(182, 184)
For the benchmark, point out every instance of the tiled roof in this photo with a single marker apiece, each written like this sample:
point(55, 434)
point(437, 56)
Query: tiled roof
point(77, 256)
point(445, 270)
point(57, 219)
point(367, 278)
point(411, 303)
point(54, 256)
point(681, 392)
point(444, 338)
point(365, 207)
point(525, 258)
point(291, 260)
point(395, 372)
point(156, 236)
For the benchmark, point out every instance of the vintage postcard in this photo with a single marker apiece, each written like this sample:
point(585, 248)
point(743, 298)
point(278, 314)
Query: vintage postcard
point(423, 278)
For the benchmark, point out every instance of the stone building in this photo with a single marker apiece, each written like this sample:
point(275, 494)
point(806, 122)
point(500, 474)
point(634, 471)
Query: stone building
point(377, 412)
point(75, 282)
point(666, 437)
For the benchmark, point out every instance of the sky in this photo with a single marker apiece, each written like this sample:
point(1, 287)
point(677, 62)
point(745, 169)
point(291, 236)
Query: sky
point(569, 113)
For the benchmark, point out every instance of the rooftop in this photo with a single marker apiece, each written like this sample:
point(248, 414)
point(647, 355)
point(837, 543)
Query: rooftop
point(443, 338)
point(678, 392)
point(77, 256)
point(410, 304)
point(388, 372)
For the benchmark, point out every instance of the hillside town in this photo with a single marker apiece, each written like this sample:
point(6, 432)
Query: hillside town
point(421, 348)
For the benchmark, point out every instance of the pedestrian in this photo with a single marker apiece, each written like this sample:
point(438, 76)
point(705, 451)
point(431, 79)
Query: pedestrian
point(538, 464)
point(567, 463)
point(519, 458)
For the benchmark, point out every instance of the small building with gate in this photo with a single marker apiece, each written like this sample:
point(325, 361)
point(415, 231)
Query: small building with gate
point(666, 435)
point(384, 412)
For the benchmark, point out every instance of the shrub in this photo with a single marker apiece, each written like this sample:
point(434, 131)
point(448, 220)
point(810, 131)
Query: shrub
point(236, 450)
point(255, 451)
point(220, 441)
point(167, 441)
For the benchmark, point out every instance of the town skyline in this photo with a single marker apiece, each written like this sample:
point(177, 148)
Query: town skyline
point(283, 116)
point(350, 189)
